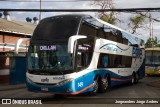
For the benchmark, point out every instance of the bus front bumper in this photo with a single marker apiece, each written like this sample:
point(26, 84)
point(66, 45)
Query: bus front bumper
point(68, 88)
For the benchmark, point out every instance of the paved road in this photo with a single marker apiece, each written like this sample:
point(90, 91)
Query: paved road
point(140, 90)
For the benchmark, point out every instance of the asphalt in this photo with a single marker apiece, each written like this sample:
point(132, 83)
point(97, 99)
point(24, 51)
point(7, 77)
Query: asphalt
point(7, 86)
point(154, 83)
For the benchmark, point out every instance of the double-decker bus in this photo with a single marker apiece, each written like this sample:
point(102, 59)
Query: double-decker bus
point(152, 61)
point(75, 54)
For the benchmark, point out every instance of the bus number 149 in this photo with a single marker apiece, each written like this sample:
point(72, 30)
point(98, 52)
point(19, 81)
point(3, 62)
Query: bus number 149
point(80, 84)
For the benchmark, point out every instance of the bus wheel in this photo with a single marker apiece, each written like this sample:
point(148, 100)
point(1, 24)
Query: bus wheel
point(104, 84)
point(134, 78)
point(95, 87)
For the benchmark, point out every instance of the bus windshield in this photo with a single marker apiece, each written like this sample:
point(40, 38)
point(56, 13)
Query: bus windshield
point(52, 59)
point(152, 58)
point(56, 28)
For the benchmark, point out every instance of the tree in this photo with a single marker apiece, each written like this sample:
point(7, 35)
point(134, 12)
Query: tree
point(152, 42)
point(136, 22)
point(139, 21)
point(109, 17)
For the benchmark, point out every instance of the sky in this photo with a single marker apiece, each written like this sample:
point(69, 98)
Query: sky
point(85, 5)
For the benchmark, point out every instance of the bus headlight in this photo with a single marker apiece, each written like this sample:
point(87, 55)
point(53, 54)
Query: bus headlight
point(65, 81)
point(28, 80)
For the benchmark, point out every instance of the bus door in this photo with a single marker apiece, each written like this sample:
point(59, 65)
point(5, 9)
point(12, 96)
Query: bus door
point(84, 52)
point(83, 57)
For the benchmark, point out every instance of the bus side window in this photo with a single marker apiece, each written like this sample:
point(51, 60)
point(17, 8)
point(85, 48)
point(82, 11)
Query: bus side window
point(88, 28)
point(103, 61)
point(100, 33)
point(125, 41)
point(117, 61)
point(110, 36)
point(126, 61)
point(114, 61)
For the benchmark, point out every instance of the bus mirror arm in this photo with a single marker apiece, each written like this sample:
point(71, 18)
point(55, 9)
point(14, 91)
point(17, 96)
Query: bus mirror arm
point(72, 40)
point(18, 42)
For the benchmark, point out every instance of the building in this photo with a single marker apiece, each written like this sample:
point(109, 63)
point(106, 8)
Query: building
point(10, 32)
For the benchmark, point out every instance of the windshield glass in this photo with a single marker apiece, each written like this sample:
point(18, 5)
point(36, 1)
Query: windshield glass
point(60, 27)
point(152, 58)
point(49, 59)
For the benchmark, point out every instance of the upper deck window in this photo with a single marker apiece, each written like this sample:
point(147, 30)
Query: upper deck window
point(52, 28)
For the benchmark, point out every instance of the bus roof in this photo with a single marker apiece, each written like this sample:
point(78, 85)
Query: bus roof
point(113, 26)
point(85, 15)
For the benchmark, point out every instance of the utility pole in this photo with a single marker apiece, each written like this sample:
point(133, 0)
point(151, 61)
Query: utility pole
point(151, 29)
point(150, 26)
point(40, 9)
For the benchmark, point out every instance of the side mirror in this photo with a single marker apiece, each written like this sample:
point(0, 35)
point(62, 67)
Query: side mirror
point(72, 40)
point(18, 42)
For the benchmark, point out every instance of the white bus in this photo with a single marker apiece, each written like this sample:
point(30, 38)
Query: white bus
point(75, 54)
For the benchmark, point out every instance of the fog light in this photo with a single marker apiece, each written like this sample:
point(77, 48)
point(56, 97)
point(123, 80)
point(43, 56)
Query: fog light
point(69, 90)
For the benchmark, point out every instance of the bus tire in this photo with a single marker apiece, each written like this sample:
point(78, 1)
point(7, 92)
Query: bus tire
point(135, 78)
point(104, 84)
point(95, 87)
point(132, 81)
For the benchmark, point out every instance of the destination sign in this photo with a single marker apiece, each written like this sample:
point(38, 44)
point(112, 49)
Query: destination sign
point(48, 48)
point(82, 48)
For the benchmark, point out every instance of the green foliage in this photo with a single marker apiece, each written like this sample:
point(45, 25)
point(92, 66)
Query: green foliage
point(138, 19)
point(136, 22)
point(109, 17)
point(152, 42)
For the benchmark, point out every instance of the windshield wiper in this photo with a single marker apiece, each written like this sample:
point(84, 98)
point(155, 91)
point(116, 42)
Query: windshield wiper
point(58, 69)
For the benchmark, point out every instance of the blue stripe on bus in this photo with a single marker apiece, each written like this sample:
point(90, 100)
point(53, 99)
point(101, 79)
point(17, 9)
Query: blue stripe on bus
point(75, 86)
point(87, 79)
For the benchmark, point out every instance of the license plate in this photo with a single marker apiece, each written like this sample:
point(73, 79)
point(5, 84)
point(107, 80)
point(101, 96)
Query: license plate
point(44, 89)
